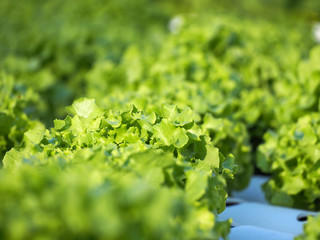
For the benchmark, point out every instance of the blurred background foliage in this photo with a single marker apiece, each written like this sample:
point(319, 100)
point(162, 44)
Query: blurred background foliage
point(59, 41)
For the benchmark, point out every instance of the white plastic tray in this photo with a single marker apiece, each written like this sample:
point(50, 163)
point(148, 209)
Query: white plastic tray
point(253, 193)
point(257, 233)
point(266, 216)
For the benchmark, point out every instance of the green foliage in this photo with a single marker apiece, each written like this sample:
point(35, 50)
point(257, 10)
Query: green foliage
point(224, 72)
point(15, 102)
point(150, 175)
point(292, 157)
point(52, 52)
point(97, 202)
point(181, 83)
point(232, 137)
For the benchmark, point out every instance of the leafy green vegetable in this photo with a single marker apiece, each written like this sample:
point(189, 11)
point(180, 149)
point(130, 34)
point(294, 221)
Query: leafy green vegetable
point(14, 121)
point(292, 157)
point(225, 72)
point(226, 81)
point(231, 137)
point(155, 175)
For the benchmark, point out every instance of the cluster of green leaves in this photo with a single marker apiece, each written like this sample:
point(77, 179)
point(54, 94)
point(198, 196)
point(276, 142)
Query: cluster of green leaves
point(232, 137)
point(300, 89)
point(223, 71)
point(52, 52)
point(292, 156)
point(239, 88)
point(290, 153)
point(88, 52)
point(243, 80)
point(153, 175)
point(15, 101)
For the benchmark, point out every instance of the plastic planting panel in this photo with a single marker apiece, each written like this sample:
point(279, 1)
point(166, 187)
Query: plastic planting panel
point(253, 218)
point(257, 233)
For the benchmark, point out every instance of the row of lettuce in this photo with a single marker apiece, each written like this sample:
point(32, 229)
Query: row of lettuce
point(115, 175)
point(185, 115)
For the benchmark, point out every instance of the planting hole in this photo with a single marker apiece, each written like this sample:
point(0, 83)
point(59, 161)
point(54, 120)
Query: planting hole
point(302, 217)
point(231, 203)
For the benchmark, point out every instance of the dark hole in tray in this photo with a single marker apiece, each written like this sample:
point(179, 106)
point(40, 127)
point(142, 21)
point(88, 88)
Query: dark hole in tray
point(302, 217)
point(231, 203)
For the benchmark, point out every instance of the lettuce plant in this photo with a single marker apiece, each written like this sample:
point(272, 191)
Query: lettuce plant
point(116, 174)
point(291, 155)
point(15, 111)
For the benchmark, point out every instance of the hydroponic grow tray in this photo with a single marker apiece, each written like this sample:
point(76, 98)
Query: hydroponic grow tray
point(254, 218)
